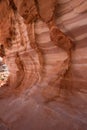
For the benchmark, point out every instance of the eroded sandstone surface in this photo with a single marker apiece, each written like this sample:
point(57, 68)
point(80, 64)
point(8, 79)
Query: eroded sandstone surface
point(44, 46)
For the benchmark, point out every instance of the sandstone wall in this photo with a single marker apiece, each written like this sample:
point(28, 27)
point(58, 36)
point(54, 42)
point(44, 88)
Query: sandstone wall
point(45, 50)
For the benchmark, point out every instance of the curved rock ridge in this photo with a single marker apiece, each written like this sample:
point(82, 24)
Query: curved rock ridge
point(44, 46)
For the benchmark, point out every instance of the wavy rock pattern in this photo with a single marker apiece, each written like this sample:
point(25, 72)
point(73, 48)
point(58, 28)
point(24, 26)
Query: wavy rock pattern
point(45, 50)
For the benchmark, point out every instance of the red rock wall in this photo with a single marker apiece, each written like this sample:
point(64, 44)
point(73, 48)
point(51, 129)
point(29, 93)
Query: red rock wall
point(45, 48)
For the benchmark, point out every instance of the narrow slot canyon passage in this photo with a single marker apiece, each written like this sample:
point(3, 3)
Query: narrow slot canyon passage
point(43, 65)
point(4, 73)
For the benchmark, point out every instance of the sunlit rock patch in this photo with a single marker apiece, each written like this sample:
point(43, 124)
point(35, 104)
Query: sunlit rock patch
point(4, 73)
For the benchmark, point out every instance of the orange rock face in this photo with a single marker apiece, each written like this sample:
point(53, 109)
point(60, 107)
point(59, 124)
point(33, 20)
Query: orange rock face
point(44, 47)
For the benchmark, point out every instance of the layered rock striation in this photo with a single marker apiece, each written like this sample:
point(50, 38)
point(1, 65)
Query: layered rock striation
point(44, 46)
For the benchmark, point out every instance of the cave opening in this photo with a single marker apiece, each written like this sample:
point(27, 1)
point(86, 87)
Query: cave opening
point(4, 72)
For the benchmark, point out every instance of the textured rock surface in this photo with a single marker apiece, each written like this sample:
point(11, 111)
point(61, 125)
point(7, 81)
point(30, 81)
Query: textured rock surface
point(45, 50)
